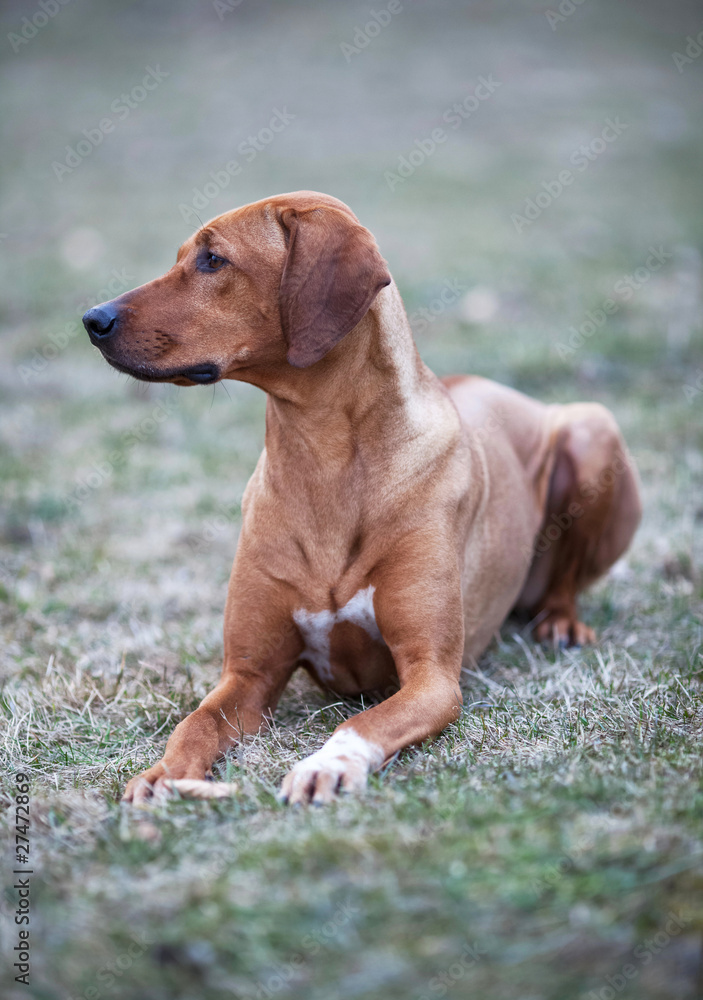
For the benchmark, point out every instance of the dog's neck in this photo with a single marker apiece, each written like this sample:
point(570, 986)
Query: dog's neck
point(368, 391)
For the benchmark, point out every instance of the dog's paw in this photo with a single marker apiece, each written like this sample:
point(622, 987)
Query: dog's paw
point(341, 765)
point(161, 782)
point(562, 630)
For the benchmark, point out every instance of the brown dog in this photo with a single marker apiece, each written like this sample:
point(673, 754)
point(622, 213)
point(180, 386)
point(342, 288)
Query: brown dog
point(393, 521)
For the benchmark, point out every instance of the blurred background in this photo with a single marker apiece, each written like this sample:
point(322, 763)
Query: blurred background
point(447, 127)
point(358, 98)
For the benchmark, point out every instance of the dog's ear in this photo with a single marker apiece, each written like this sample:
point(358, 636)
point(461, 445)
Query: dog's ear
point(332, 274)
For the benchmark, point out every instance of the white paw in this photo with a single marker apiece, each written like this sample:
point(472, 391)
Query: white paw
point(341, 765)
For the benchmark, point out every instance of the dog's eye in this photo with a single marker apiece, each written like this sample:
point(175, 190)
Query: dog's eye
point(214, 263)
point(210, 261)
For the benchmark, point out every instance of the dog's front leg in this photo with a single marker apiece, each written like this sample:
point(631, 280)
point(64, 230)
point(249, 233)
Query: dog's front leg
point(418, 610)
point(262, 645)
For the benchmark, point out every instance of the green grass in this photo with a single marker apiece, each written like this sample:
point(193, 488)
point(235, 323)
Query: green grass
point(548, 835)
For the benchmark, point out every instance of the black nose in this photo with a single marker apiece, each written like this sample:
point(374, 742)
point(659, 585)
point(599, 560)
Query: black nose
point(101, 321)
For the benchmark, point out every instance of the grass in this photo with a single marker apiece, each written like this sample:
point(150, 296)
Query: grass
point(537, 850)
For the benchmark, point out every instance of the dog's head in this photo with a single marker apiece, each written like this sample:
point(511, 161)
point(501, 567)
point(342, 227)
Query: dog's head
point(279, 282)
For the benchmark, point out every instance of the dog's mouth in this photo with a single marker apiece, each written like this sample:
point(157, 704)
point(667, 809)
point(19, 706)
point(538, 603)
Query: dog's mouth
point(204, 374)
point(201, 374)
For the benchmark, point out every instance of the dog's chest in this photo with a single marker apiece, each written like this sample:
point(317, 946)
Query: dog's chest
point(345, 648)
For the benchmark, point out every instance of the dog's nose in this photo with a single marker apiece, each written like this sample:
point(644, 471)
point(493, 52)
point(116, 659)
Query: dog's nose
point(101, 321)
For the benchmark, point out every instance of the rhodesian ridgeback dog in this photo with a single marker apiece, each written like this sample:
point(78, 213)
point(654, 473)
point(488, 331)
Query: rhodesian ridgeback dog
point(394, 519)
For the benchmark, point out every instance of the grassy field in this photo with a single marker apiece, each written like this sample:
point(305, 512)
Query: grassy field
point(548, 846)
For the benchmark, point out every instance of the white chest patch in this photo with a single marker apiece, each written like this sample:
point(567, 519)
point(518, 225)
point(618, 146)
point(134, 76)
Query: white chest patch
point(317, 625)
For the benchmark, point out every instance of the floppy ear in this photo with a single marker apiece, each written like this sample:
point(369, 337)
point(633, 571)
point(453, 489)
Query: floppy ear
point(331, 276)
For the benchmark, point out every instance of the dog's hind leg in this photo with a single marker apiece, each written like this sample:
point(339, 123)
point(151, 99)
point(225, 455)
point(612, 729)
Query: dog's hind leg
point(591, 513)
